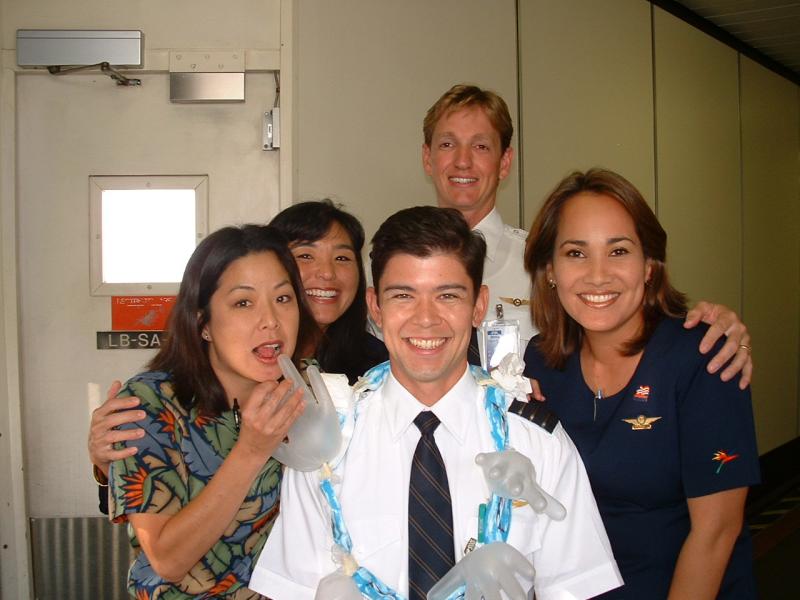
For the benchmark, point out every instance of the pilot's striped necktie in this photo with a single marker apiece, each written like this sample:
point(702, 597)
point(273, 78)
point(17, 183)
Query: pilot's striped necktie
point(430, 513)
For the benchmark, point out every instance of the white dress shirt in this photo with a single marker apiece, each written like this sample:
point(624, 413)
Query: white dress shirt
point(572, 558)
point(504, 273)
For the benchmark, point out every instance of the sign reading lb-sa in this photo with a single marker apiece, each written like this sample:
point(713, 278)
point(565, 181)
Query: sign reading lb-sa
point(129, 340)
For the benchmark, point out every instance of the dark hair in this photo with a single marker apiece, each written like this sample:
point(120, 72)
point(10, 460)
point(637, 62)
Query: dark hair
point(471, 96)
point(559, 334)
point(344, 347)
point(423, 231)
point(185, 354)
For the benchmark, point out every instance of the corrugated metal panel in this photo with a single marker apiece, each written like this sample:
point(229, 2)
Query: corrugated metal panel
point(79, 558)
point(770, 26)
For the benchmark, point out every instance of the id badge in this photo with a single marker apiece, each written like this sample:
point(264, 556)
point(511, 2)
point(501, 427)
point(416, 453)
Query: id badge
point(496, 338)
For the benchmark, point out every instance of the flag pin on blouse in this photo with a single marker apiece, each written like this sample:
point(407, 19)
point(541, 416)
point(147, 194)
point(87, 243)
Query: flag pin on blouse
point(641, 422)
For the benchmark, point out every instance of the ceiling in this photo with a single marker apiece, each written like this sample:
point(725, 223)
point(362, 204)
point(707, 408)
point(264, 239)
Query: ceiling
point(772, 27)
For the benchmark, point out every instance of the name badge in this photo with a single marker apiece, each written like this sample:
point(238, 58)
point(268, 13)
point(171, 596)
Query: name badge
point(496, 338)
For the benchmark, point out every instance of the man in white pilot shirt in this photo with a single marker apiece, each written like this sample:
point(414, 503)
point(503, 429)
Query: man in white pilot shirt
point(467, 153)
point(427, 268)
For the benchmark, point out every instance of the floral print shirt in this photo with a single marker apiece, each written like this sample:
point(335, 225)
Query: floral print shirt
point(177, 457)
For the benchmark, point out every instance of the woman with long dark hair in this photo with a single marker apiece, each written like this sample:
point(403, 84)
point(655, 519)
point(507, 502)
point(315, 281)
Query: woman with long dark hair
point(326, 243)
point(200, 491)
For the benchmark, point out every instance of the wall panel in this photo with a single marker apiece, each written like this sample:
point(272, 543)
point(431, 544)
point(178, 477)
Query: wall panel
point(697, 158)
point(771, 275)
point(366, 74)
point(586, 94)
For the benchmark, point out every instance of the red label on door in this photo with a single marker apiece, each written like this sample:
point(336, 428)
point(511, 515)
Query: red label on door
point(140, 313)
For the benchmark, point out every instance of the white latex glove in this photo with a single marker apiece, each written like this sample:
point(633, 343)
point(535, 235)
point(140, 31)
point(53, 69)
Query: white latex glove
point(485, 572)
point(314, 438)
point(337, 586)
point(511, 475)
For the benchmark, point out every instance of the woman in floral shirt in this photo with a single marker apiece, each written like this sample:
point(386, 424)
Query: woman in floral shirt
point(201, 492)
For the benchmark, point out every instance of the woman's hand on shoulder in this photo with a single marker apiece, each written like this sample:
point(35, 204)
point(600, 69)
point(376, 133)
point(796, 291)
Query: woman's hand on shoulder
point(103, 432)
point(267, 415)
point(724, 321)
point(536, 391)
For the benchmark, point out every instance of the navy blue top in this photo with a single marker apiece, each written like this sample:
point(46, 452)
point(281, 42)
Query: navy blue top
point(642, 470)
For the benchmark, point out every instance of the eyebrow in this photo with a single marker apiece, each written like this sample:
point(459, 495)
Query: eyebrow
point(452, 134)
point(248, 287)
point(438, 288)
point(613, 240)
point(314, 245)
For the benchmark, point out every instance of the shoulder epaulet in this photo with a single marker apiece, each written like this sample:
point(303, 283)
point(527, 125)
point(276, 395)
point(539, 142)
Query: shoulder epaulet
point(536, 413)
point(515, 232)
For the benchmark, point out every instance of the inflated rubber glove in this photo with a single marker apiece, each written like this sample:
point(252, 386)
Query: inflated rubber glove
point(337, 586)
point(314, 438)
point(511, 475)
point(485, 572)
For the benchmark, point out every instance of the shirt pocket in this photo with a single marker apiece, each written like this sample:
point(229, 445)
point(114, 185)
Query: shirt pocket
point(377, 543)
point(523, 533)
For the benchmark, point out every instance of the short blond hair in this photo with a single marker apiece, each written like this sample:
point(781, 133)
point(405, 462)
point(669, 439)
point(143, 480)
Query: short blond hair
point(468, 96)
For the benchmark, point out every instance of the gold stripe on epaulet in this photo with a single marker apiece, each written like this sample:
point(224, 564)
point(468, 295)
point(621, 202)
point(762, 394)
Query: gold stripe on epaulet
point(535, 412)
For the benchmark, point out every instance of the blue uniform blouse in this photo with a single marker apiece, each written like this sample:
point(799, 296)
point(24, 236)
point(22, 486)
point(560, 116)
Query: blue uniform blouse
point(674, 432)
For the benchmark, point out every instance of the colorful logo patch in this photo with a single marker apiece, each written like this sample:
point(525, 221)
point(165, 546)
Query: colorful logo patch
point(723, 457)
point(642, 393)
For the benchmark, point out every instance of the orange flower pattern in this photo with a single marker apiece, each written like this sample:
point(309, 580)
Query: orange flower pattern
point(133, 489)
point(179, 453)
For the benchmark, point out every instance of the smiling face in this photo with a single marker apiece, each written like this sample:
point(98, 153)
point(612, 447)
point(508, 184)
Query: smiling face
point(329, 272)
point(253, 318)
point(426, 309)
point(466, 162)
point(599, 267)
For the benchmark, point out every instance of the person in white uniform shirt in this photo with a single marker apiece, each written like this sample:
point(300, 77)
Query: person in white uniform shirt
point(427, 267)
point(467, 152)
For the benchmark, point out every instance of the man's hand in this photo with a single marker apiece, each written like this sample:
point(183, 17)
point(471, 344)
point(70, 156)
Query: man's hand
point(103, 432)
point(723, 321)
point(511, 475)
point(485, 572)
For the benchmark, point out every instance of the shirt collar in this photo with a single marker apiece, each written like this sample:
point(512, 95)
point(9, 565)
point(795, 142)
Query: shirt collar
point(491, 226)
point(453, 409)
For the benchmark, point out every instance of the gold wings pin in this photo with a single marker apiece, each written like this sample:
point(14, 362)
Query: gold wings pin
point(515, 301)
point(641, 422)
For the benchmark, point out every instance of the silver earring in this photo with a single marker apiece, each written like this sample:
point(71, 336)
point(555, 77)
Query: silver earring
point(551, 284)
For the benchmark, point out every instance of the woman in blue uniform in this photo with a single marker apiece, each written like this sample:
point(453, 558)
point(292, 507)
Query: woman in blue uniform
point(669, 448)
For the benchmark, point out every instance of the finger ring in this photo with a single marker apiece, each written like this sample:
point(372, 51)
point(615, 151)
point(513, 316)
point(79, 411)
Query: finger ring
point(745, 347)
